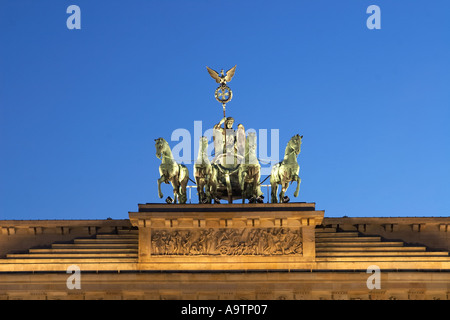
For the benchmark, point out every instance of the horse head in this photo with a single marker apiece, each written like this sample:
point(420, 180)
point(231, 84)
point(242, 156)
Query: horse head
point(295, 143)
point(202, 150)
point(160, 145)
point(203, 145)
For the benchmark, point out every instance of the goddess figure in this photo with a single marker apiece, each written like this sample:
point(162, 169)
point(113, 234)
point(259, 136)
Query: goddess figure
point(234, 146)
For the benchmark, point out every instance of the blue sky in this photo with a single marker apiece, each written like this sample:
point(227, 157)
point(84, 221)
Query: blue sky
point(80, 109)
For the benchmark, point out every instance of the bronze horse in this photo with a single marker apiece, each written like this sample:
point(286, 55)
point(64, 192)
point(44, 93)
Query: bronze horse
point(171, 171)
point(286, 171)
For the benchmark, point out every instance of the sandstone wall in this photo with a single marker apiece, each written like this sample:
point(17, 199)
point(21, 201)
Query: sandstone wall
point(433, 232)
point(21, 235)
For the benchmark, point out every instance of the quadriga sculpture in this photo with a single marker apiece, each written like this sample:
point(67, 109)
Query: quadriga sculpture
point(286, 171)
point(171, 171)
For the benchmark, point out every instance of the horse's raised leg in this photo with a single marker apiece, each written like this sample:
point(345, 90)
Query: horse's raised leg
point(297, 178)
point(160, 194)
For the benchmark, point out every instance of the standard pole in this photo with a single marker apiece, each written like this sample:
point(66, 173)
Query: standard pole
point(225, 129)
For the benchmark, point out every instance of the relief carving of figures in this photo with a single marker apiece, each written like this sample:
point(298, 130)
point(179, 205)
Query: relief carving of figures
point(227, 241)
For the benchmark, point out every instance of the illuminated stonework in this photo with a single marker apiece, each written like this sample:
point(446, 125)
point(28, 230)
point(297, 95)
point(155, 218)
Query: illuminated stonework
point(227, 242)
point(236, 251)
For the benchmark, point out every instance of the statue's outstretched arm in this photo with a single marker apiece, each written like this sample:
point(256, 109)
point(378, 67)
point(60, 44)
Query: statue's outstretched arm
point(217, 126)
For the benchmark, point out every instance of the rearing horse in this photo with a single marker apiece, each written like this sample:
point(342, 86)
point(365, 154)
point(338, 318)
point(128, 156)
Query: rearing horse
point(170, 170)
point(287, 170)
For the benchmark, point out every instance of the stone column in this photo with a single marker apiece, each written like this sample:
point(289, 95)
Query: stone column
point(145, 240)
point(309, 243)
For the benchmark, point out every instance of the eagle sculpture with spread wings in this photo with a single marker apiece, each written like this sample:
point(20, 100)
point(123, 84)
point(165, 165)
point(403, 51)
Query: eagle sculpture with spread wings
point(222, 78)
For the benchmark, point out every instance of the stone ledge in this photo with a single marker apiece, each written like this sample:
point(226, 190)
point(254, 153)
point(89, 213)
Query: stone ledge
point(226, 215)
point(413, 266)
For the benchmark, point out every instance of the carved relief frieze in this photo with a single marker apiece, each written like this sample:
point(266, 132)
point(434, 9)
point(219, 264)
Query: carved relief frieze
point(227, 241)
